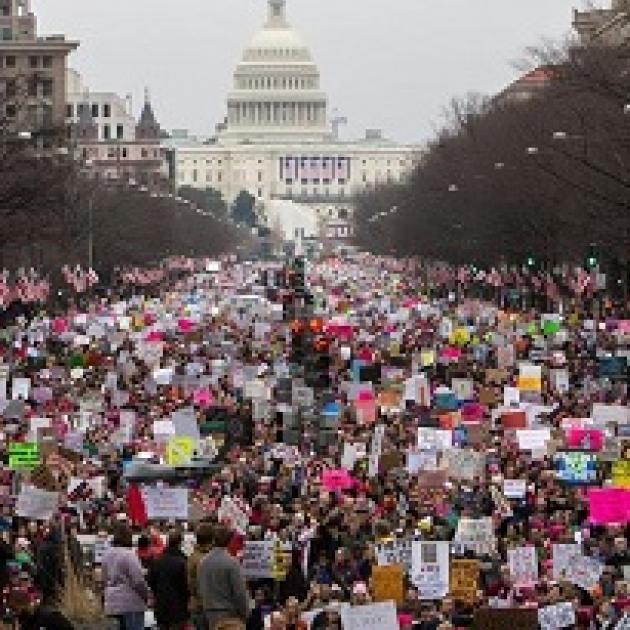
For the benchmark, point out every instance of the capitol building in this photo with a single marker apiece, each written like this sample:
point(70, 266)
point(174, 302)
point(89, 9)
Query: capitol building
point(278, 144)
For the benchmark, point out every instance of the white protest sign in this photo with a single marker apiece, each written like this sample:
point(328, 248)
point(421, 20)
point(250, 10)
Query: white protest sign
point(163, 376)
point(563, 555)
point(395, 552)
point(421, 460)
point(533, 439)
point(430, 568)
point(514, 488)
point(163, 430)
point(20, 388)
point(584, 572)
point(511, 397)
point(557, 616)
point(375, 450)
point(604, 414)
point(258, 559)
point(381, 616)
point(435, 439)
point(464, 388)
point(523, 566)
point(166, 504)
point(476, 535)
point(36, 504)
point(465, 464)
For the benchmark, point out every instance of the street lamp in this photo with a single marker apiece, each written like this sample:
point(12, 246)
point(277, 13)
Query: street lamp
point(24, 135)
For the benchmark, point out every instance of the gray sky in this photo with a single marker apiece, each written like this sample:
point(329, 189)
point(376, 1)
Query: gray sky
point(391, 64)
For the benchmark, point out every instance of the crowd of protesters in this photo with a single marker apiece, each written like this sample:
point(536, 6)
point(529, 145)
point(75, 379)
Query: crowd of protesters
point(436, 383)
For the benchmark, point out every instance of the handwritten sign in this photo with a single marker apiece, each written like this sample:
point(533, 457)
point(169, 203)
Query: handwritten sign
point(464, 580)
point(387, 583)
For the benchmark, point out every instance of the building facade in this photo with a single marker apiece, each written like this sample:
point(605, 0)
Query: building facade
point(109, 140)
point(610, 27)
point(32, 74)
point(276, 141)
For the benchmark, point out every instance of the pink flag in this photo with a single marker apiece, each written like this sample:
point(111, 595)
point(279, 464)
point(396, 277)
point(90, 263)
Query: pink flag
point(608, 506)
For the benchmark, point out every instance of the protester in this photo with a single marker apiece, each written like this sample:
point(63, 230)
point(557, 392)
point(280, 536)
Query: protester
point(125, 590)
point(222, 586)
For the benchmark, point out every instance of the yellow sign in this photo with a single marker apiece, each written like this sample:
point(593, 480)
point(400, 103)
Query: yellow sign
point(621, 473)
point(180, 451)
point(464, 580)
point(282, 558)
point(460, 337)
point(387, 583)
point(427, 357)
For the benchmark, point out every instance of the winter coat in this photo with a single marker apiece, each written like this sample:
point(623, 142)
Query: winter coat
point(169, 582)
point(126, 590)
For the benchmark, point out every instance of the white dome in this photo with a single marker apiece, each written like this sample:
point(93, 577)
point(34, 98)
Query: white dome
point(281, 44)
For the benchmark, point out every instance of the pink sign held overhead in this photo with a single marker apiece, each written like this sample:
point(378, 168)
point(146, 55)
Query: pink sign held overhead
point(609, 506)
point(585, 439)
point(60, 325)
point(203, 398)
point(155, 336)
point(185, 326)
point(337, 480)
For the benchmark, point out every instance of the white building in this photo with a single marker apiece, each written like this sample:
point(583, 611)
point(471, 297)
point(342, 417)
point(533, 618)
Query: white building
point(276, 142)
point(111, 113)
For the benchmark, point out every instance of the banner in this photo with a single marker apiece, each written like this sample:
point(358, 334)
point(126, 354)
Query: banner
point(533, 439)
point(337, 480)
point(464, 580)
point(585, 439)
point(36, 504)
point(523, 566)
point(23, 455)
point(603, 414)
point(380, 616)
point(515, 488)
point(557, 616)
point(165, 504)
point(387, 583)
point(430, 568)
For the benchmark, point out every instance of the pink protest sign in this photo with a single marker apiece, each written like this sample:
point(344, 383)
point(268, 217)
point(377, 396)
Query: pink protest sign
point(366, 411)
point(203, 398)
point(473, 412)
point(609, 506)
point(337, 480)
point(623, 326)
point(155, 336)
point(343, 332)
point(185, 326)
point(60, 325)
point(588, 439)
point(450, 353)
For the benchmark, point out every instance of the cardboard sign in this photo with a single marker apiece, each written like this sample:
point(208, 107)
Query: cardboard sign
point(387, 583)
point(464, 580)
point(257, 560)
point(585, 572)
point(621, 473)
point(465, 465)
point(476, 535)
point(430, 568)
point(23, 455)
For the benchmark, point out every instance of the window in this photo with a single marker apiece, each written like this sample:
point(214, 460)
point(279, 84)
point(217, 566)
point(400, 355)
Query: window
point(120, 132)
point(219, 177)
point(364, 177)
point(79, 109)
point(47, 88)
point(342, 192)
point(342, 213)
point(304, 181)
point(208, 176)
point(111, 153)
point(10, 88)
point(9, 61)
point(289, 191)
point(107, 110)
point(6, 34)
point(124, 152)
point(195, 175)
point(260, 176)
point(47, 61)
point(33, 61)
point(342, 181)
point(144, 153)
point(107, 134)
point(69, 110)
point(10, 110)
point(95, 110)
point(260, 193)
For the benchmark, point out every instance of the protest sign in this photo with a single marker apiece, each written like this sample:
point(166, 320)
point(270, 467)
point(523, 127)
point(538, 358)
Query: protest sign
point(20, 388)
point(233, 514)
point(610, 414)
point(379, 616)
point(434, 439)
point(621, 473)
point(163, 430)
point(23, 455)
point(36, 504)
point(563, 555)
point(185, 424)
point(511, 420)
point(387, 583)
point(375, 450)
point(430, 568)
point(584, 571)
point(476, 535)
point(515, 488)
point(576, 467)
point(257, 559)
point(421, 460)
point(557, 616)
point(463, 388)
point(396, 552)
point(533, 439)
point(180, 451)
point(523, 566)
point(464, 580)
point(609, 506)
point(166, 504)
point(585, 439)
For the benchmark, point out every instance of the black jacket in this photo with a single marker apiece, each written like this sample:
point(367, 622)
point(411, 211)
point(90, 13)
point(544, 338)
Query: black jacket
point(168, 580)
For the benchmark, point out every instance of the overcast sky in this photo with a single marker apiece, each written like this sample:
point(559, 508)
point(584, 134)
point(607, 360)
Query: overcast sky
point(390, 64)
